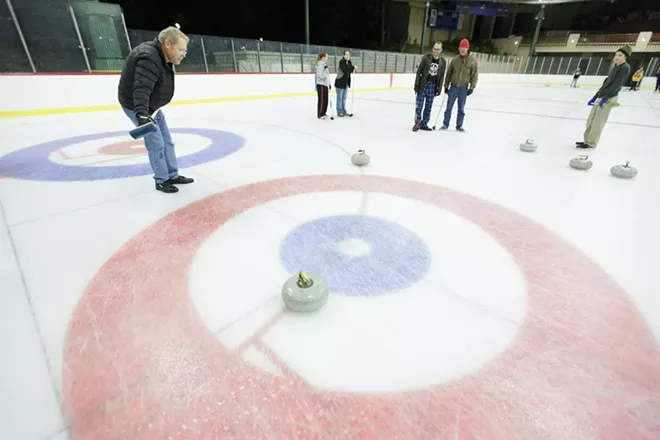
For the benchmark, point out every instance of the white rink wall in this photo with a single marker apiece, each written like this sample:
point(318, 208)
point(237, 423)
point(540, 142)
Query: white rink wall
point(27, 94)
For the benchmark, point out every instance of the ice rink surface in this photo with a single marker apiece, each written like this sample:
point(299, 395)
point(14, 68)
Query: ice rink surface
point(477, 291)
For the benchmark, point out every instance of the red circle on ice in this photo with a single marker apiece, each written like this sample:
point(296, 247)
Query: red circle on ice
point(140, 364)
point(126, 147)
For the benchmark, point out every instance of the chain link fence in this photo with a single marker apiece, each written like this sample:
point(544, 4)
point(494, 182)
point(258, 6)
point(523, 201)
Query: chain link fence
point(92, 37)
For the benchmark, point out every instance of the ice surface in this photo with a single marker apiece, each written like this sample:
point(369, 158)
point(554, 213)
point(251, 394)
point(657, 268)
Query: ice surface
point(159, 316)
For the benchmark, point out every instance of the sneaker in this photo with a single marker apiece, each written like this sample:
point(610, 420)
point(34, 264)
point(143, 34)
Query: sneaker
point(166, 187)
point(180, 180)
point(425, 128)
point(444, 127)
point(461, 129)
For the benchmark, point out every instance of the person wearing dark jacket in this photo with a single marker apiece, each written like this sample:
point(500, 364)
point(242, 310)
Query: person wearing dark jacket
point(606, 98)
point(146, 85)
point(343, 82)
point(428, 84)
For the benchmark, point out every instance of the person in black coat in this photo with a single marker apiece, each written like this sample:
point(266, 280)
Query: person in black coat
point(145, 86)
point(428, 85)
point(343, 82)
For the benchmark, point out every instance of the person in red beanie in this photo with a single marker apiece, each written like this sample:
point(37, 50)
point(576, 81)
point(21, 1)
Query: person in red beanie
point(461, 73)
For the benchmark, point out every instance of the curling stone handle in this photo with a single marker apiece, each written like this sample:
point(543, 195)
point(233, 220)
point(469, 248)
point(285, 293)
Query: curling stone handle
point(304, 280)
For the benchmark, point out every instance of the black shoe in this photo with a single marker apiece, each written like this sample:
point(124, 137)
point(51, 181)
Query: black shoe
point(460, 129)
point(166, 187)
point(583, 145)
point(180, 180)
point(425, 128)
point(444, 127)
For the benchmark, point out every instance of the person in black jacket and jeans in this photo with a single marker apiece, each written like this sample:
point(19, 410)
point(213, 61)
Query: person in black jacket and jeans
point(145, 86)
point(428, 85)
point(343, 82)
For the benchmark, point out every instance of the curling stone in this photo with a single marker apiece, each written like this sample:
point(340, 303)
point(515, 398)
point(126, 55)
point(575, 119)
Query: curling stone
point(623, 171)
point(528, 146)
point(360, 158)
point(304, 293)
point(581, 163)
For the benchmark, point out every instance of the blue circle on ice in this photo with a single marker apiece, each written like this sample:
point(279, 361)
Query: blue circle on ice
point(33, 163)
point(357, 255)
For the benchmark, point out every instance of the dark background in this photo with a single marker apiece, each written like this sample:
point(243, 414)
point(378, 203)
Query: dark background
point(369, 24)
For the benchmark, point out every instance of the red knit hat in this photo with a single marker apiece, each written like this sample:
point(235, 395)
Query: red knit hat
point(464, 43)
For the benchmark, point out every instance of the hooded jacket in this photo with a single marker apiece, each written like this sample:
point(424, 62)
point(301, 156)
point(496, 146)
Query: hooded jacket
point(322, 74)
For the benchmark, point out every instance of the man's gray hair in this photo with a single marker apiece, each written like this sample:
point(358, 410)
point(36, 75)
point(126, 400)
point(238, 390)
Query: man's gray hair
point(171, 34)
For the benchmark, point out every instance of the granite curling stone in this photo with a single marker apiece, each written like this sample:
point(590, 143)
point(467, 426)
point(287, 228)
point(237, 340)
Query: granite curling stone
point(529, 146)
point(623, 171)
point(305, 293)
point(581, 163)
point(360, 158)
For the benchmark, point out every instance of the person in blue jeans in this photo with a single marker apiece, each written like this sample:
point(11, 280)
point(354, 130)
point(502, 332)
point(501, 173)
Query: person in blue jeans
point(343, 83)
point(146, 85)
point(160, 149)
point(462, 77)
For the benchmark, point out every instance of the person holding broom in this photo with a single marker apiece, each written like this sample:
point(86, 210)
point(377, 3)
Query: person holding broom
point(606, 98)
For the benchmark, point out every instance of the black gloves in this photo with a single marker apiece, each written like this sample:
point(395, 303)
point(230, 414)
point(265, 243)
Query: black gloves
point(144, 120)
point(470, 91)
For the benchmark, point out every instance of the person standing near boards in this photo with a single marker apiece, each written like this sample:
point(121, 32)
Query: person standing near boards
point(637, 79)
point(462, 77)
point(343, 82)
point(322, 85)
point(576, 78)
point(428, 85)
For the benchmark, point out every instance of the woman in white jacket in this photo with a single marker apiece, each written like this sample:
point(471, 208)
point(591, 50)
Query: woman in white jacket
point(322, 85)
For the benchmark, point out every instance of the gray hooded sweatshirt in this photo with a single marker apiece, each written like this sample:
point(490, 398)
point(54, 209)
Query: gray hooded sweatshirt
point(322, 74)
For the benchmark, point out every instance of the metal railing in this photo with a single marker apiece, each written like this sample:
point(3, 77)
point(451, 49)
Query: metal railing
point(93, 37)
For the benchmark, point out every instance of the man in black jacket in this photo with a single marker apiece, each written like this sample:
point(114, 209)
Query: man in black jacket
point(606, 98)
point(428, 85)
point(145, 86)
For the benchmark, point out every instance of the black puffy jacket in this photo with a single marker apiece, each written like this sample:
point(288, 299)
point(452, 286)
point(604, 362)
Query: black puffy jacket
point(147, 79)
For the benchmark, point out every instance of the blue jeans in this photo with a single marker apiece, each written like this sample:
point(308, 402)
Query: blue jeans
point(459, 93)
point(160, 148)
point(427, 95)
point(341, 101)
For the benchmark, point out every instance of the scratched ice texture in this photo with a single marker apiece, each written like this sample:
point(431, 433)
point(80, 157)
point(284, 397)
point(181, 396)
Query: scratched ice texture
point(479, 292)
